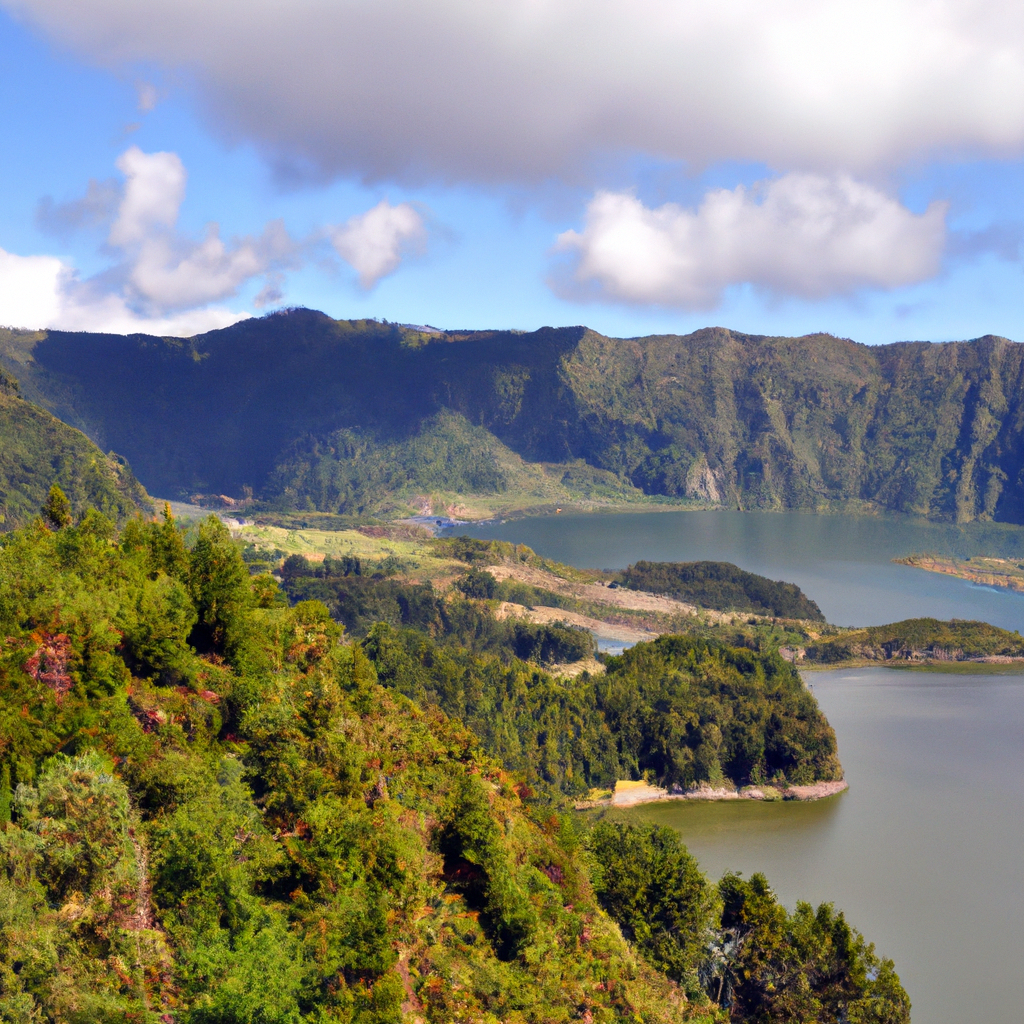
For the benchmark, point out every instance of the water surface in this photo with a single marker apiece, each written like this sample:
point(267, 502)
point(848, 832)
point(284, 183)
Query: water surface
point(924, 853)
point(842, 562)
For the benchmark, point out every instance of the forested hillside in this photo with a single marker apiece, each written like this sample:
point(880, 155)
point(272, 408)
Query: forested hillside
point(37, 451)
point(309, 412)
point(213, 812)
point(721, 585)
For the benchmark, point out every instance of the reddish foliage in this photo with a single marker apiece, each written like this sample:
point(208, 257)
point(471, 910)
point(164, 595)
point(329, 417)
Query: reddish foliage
point(49, 662)
point(555, 873)
point(523, 791)
point(372, 531)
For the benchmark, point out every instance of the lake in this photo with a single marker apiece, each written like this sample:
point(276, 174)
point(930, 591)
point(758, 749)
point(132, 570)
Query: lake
point(925, 852)
point(842, 562)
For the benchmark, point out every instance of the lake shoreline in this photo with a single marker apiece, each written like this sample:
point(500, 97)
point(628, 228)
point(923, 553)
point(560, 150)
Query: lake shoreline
point(634, 796)
point(992, 665)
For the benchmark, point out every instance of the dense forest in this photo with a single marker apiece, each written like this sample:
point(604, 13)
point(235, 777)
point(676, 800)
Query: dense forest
point(217, 808)
point(722, 585)
point(682, 710)
point(38, 450)
point(305, 412)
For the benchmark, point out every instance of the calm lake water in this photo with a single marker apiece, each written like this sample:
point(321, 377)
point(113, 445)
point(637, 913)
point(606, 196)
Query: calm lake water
point(842, 562)
point(925, 852)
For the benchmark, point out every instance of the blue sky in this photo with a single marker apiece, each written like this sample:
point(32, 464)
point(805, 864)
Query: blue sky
point(444, 168)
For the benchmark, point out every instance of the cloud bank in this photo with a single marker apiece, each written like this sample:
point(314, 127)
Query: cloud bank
point(801, 234)
point(521, 90)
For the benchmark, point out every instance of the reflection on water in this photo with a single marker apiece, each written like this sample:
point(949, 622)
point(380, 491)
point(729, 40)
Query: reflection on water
point(925, 852)
point(842, 562)
point(715, 828)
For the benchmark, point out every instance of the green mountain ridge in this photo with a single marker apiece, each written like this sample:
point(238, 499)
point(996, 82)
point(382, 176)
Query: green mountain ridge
point(306, 412)
point(38, 450)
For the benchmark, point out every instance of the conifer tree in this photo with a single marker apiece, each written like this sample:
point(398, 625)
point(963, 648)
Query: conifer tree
point(57, 509)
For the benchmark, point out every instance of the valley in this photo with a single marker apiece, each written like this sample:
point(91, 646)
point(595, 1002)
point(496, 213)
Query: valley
point(368, 673)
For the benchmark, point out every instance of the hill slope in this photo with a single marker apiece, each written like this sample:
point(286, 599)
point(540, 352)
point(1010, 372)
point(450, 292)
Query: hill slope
point(37, 450)
point(283, 403)
point(212, 812)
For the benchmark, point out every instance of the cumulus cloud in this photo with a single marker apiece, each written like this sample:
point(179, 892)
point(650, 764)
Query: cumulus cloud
point(374, 243)
point(30, 290)
point(167, 270)
point(161, 281)
point(164, 270)
point(526, 89)
point(42, 291)
point(802, 234)
point(164, 281)
point(153, 192)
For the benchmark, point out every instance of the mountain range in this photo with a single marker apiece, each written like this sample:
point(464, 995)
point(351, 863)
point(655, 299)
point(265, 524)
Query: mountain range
point(300, 411)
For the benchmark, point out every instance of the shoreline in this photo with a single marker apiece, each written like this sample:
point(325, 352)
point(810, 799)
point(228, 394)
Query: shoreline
point(989, 665)
point(982, 571)
point(638, 794)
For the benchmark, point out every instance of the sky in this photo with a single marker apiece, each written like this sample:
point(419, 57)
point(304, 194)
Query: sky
point(638, 166)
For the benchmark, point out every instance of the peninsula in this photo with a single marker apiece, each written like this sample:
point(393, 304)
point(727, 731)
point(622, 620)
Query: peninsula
point(984, 571)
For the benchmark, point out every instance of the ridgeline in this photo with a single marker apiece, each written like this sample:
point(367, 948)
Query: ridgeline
point(305, 412)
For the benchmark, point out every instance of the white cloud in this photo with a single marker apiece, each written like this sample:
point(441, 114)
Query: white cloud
point(172, 277)
point(165, 270)
point(374, 243)
point(525, 89)
point(801, 234)
point(30, 289)
point(38, 292)
point(153, 193)
point(163, 281)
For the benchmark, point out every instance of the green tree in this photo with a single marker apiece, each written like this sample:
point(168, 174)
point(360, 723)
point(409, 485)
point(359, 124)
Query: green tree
point(57, 509)
point(76, 936)
point(471, 836)
point(808, 966)
point(649, 882)
point(219, 583)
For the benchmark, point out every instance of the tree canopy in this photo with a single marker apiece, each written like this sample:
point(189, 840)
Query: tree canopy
point(216, 808)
